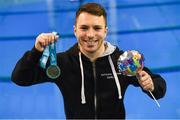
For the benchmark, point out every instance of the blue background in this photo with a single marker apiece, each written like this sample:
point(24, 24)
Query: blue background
point(149, 26)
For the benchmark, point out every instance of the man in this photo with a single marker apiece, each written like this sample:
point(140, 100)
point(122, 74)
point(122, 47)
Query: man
point(89, 82)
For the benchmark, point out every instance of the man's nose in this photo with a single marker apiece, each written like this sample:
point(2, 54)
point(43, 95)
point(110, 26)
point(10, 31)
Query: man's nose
point(90, 33)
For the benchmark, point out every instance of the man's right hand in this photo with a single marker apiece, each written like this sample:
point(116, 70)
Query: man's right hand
point(44, 39)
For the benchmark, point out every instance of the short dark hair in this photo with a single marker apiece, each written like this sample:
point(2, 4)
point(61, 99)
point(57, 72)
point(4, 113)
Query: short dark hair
point(92, 8)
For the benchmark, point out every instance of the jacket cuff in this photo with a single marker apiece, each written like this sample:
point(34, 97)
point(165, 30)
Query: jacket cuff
point(35, 55)
point(155, 91)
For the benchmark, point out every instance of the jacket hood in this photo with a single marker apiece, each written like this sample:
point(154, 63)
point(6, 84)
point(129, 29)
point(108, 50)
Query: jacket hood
point(109, 49)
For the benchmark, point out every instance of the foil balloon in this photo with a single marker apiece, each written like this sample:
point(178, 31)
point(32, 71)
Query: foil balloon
point(130, 62)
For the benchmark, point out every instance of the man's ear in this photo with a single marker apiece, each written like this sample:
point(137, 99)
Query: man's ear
point(106, 31)
point(74, 30)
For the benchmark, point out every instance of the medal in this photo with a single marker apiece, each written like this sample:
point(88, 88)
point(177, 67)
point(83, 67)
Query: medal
point(53, 71)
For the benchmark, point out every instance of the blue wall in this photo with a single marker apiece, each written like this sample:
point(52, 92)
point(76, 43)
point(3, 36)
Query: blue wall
point(150, 26)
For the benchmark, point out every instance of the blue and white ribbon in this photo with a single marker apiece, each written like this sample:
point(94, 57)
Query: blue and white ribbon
point(53, 70)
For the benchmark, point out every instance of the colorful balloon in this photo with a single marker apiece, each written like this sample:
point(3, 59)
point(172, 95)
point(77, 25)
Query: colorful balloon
point(130, 62)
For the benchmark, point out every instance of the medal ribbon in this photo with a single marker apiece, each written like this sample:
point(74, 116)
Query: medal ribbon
point(53, 70)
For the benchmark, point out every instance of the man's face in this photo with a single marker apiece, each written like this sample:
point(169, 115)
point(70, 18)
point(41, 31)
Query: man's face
point(90, 31)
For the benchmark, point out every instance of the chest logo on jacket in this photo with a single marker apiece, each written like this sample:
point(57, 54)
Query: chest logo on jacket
point(107, 75)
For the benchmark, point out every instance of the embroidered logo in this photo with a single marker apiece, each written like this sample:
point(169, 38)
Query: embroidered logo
point(107, 75)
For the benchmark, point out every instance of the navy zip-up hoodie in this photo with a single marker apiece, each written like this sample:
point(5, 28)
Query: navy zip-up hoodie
point(89, 89)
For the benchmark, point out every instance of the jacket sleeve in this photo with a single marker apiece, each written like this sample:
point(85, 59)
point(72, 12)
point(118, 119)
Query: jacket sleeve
point(27, 70)
point(159, 85)
point(158, 81)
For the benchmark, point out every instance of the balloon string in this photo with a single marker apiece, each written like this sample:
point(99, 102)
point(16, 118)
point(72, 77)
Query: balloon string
point(138, 77)
point(154, 99)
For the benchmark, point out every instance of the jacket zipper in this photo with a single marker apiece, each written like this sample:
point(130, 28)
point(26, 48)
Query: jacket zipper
point(95, 89)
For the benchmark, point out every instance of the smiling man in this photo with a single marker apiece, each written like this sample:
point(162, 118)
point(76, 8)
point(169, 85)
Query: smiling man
point(90, 31)
point(89, 82)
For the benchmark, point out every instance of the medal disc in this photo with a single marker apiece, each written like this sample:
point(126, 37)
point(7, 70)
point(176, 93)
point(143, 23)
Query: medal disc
point(53, 71)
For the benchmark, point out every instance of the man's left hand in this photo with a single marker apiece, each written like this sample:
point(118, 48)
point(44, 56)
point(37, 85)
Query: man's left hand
point(145, 81)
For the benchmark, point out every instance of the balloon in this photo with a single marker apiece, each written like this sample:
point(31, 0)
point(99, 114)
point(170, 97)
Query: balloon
point(130, 63)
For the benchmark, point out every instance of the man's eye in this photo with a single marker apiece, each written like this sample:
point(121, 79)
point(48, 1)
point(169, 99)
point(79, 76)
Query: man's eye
point(97, 28)
point(83, 28)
